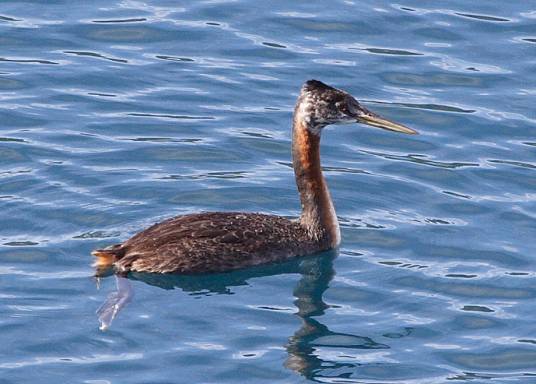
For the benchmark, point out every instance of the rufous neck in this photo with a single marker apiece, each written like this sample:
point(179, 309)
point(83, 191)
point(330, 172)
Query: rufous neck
point(318, 214)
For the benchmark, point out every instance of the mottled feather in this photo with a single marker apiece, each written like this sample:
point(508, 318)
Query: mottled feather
point(212, 242)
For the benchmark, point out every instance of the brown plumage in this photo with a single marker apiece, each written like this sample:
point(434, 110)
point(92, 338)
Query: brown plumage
point(213, 242)
point(223, 241)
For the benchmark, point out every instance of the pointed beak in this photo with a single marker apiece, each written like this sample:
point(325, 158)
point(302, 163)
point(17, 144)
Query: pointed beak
point(370, 118)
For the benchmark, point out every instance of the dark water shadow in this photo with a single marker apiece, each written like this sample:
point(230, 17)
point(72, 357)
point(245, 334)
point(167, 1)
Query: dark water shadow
point(316, 273)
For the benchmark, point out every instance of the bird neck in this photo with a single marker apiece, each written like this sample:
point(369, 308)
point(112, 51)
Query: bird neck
point(318, 214)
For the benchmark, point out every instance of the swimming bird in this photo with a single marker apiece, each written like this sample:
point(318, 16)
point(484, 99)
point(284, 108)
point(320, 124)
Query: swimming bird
point(223, 241)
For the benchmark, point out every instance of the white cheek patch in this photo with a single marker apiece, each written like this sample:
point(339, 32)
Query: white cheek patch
point(315, 111)
point(303, 113)
point(306, 113)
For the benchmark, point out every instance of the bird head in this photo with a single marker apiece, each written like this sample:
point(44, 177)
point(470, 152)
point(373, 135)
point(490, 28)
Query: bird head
point(320, 105)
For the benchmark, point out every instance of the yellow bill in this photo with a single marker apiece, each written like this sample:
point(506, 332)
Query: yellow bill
point(378, 121)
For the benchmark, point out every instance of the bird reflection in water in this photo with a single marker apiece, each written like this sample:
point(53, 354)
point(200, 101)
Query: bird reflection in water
point(316, 275)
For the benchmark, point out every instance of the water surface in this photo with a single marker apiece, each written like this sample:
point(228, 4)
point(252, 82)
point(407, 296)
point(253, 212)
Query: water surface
point(117, 114)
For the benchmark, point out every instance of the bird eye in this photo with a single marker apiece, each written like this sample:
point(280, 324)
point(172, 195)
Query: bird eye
point(343, 107)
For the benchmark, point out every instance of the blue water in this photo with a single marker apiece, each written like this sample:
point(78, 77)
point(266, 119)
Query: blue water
point(117, 114)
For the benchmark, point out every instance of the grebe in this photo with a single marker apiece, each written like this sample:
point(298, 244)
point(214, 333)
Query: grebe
point(224, 241)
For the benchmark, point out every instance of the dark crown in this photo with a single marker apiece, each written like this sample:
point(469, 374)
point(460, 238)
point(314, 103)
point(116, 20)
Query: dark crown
point(312, 85)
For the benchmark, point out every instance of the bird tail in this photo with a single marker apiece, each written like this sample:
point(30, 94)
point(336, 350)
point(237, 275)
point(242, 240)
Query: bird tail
point(108, 256)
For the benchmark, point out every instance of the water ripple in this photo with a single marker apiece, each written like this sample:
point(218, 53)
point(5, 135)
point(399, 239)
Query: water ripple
point(113, 21)
point(482, 17)
point(169, 116)
point(421, 159)
point(47, 360)
point(6, 18)
point(174, 58)
point(28, 61)
point(97, 55)
point(454, 288)
point(389, 51)
point(430, 107)
point(122, 114)
point(495, 360)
